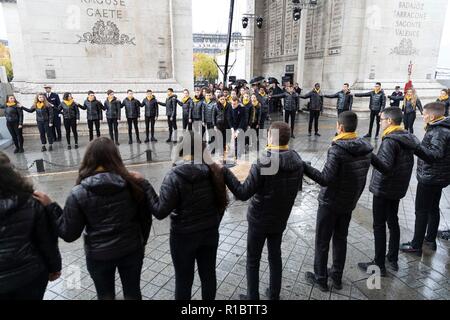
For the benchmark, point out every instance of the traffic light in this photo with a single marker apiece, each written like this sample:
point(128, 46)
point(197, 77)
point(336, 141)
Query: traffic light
point(297, 14)
point(259, 22)
point(244, 22)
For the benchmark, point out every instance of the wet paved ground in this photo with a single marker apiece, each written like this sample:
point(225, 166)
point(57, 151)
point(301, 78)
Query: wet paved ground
point(427, 277)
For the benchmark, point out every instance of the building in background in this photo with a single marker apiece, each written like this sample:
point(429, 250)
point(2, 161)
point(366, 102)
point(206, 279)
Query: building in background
point(216, 43)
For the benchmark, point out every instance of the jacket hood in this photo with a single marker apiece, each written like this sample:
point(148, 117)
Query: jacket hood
point(406, 139)
point(104, 183)
point(356, 147)
point(289, 160)
point(443, 123)
point(190, 171)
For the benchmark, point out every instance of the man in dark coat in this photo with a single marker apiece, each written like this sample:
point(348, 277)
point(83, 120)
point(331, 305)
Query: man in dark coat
point(133, 113)
point(315, 108)
point(376, 105)
point(53, 98)
point(171, 113)
point(390, 181)
point(344, 99)
point(343, 179)
point(394, 97)
point(151, 115)
point(290, 106)
point(94, 114)
point(433, 175)
point(113, 108)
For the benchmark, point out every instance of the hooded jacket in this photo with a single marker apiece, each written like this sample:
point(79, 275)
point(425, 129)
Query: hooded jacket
point(171, 106)
point(272, 196)
point(187, 195)
point(433, 166)
point(151, 107)
point(94, 109)
point(344, 175)
point(393, 165)
point(13, 113)
point(113, 108)
point(132, 108)
point(377, 100)
point(103, 207)
point(344, 100)
point(28, 244)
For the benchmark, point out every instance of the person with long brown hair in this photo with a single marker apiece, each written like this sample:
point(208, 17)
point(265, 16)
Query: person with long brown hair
point(410, 105)
point(29, 254)
point(44, 119)
point(108, 203)
point(193, 193)
point(14, 121)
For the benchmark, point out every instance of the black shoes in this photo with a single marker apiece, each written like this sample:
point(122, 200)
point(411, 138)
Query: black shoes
point(130, 141)
point(408, 248)
point(336, 283)
point(138, 141)
point(311, 279)
point(368, 136)
point(317, 134)
point(430, 245)
point(50, 148)
point(43, 149)
point(309, 134)
point(21, 150)
point(393, 264)
point(16, 150)
point(76, 146)
point(269, 295)
point(364, 266)
point(117, 143)
point(292, 136)
point(153, 139)
point(69, 147)
point(147, 140)
point(169, 140)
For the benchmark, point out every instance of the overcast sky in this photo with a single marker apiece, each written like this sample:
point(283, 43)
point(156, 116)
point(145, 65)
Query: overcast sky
point(212, 16)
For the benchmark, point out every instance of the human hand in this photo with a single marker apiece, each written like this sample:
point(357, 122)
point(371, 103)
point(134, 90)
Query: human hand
point(43, 198)
point(137, 175)
point(54, 276)
point(20, 126)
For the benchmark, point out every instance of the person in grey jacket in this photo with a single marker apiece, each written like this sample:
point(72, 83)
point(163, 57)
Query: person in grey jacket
point(290, 106)
point(344, 99)
point(171, 113)
point(210, 105)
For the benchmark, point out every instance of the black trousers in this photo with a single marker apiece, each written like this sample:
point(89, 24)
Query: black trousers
point(314, 117)
point(186, 249)
point(187, 124)
point(133, 122)
point(331, 224)
point(408, 120)
point(34, 290)
point(263, 120)
point(385, 211)
point(103, 273)
point(45, 132)
point(16, 133)
point(56, 129)
point(255, 245)
point(91, 124)
point(113, 127)
point(291, 115)
point(71, 124)
point(222, 128)
point(150, 124)
point(374, 116)
point(172, 123)
point(428, 198)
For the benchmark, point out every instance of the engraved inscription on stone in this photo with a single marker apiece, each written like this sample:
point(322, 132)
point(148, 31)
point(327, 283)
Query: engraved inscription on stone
point(315, 31)
point(336, 27)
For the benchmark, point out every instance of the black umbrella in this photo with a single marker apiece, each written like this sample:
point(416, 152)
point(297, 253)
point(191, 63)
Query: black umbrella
point(256, 80)
point(273, 80)
point(242, 81)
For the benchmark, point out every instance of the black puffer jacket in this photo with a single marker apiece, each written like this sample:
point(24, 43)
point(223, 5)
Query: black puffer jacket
point(433, 166)
point(316, 100)
point(151, 107)
point(220, 114)
point(395, 98)
point(93, 109)
point(377, 100)
point(187, 108)
point(28, 244)
point(197, 109)
point(344, 100)
point(171, 106)
point(13, 113)
point(132, 108)
point(264, 101)
point(112, 108)
point(72, 112)
point(103, 206)
point(290, 100)
point(187, 194)
point(393, 165)
point(208, 111)
point(45, 114)
point(273, 195)
point(344, 175)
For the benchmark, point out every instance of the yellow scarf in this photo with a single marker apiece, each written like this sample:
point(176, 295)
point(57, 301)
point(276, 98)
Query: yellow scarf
point(245, 101)
point(262, 94)
point(10, 104)
point(273, 147)
point(317, 91)
point(408, 97)
point(434, 121)
point(377, 91)
point(443, 98)
point(224, 105)
point(185, 99)
point(346, 136)
point(130, 98)
point(150, 97)
point(195, 99)
point(68, 102)
point(39, 105)
point(100, 169)
point(229, 99)
point(110, 99)
point(207, 100)
point(391, 129)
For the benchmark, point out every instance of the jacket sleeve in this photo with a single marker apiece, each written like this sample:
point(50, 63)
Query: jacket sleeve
point(332, 96)
point(329, 172)
point(306, 96)
point(281, 95)
point(384, 160)
point(50, 114)
point(243, 191)
point(70, 222)
point(350, 103)
point(151, 197)
point(214, 114)
point(83, 106)
point(191, 108)
point(435, 151)
point(100, 110)
point(363, 95)
point(157, 108)
point(29, 110)
point(174, 111)
point(162, 103)
point(419, 106)
point(57, 100)
point(168, 198)
point(47, 240)
point(397, 98)
point(383, 101)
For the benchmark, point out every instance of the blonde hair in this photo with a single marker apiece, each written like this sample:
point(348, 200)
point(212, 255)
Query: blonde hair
point(46, 103)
